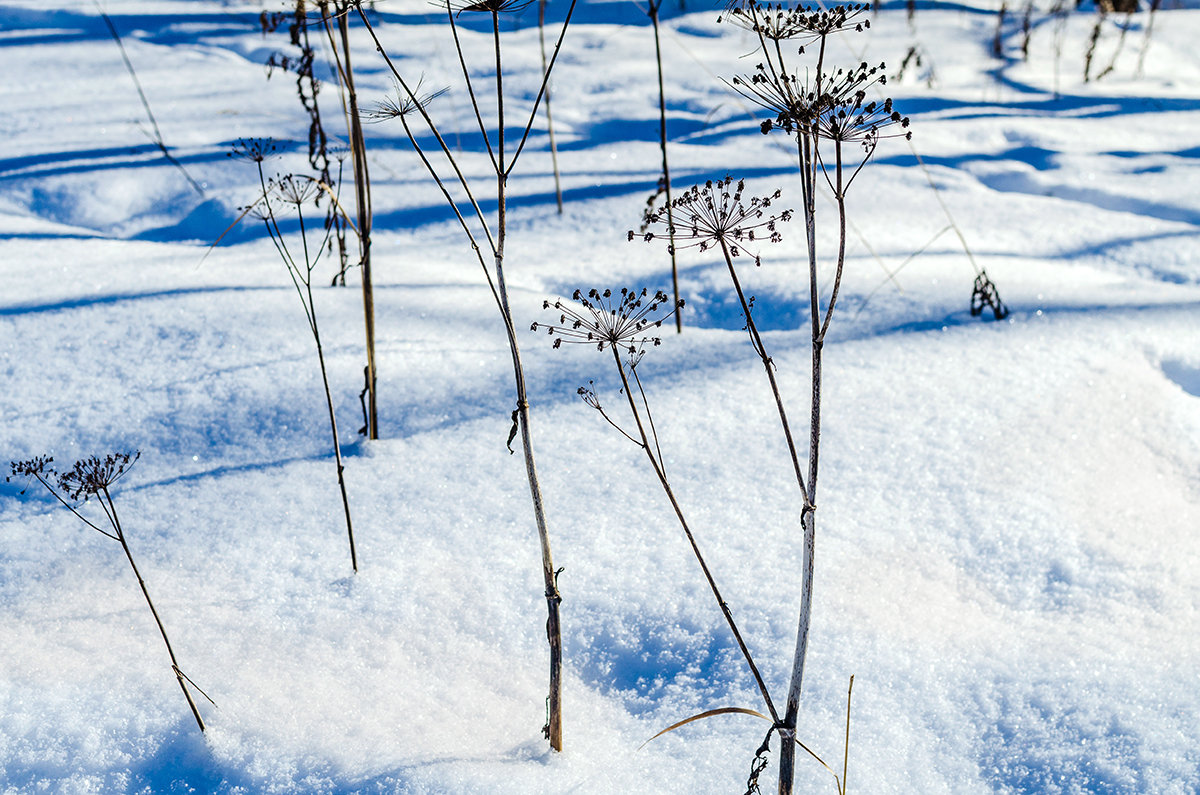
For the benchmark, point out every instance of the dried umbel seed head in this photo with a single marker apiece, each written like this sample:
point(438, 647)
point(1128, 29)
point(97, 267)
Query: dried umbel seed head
point(93, 474)
point(778, 22)
point(852, 120)
point(835, 107)
point(403, 103)
point(255, 150)
point(716, 213)
point(34, 467)
point(608, 319)
point(295, 189)
point(794, 103)
point(588, 395)
point(490, 6)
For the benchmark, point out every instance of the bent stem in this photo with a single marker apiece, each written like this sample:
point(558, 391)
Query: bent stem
point(769, 366)
point(712, 583)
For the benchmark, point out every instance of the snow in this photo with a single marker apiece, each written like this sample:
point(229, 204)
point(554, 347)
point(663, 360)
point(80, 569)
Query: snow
point(1007, 544)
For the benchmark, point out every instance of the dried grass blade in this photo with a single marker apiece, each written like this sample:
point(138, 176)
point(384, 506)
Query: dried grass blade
point(710, 713)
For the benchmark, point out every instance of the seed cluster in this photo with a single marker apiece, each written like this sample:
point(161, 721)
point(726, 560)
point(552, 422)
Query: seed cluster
point(716, 212)
point(608, 319)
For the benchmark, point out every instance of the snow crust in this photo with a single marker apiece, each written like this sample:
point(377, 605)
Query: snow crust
point(1008, 545)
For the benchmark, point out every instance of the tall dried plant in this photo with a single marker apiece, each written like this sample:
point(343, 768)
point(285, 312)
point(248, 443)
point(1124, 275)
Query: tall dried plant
point(295, 191)
point(492, 232)
point(824, 109)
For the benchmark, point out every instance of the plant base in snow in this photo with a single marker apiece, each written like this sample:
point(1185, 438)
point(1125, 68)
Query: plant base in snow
point(986, 295)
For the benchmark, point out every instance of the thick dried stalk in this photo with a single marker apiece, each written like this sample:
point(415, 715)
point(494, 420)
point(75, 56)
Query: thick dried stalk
point(362, 197)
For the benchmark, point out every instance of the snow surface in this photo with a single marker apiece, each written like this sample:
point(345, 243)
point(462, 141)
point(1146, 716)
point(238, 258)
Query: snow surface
point(1009, 510)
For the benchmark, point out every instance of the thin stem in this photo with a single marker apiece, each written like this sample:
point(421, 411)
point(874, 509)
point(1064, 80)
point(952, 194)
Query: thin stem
point(453, 206)
point(462, 61)
point(544, 87)
point(712, 583)
point(73, 510)
point(549, 116)
point(302, 281)
point(553, 728)
point(158, 136)
point(462, 180)
point(650, 420)
point(769, 366)
point(333, 429)
point(311, 309)
point(840, 195)
point(111, 510)
point(666, 169)
point(846, 745)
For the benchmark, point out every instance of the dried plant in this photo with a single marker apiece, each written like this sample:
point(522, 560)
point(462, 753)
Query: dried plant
point(337, 12)
point(155, 134)
point(558, 197)
point(95, 477)
point(984, 295)
point(308, 89)
point(477, 227)
point(294, 192)
point(825, 110)
point(664, 181)
point(624, 325)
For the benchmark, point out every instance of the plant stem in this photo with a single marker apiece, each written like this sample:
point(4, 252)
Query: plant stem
point(549, 116)
point(666, 169)
point(362, 194)
point(769, 366)
point(553, 727)
point(337, 445)
point(111, 509)
point(820, 326)
point(498, 285)
point(712, 583)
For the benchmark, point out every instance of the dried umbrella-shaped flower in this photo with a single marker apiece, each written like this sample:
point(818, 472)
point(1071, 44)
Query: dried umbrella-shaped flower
point(297, 189)
point(254, 150)
point(92, 475)
point(491, 6)
point(777, 21)
point(717, 213)
point(606, 320)
point(402, 104)
point(845, 114)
